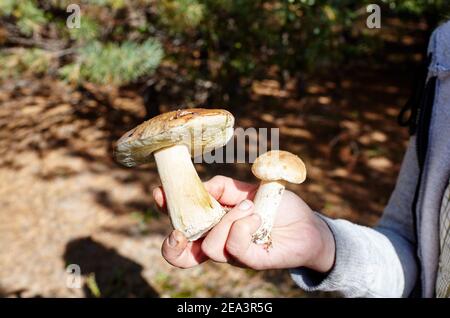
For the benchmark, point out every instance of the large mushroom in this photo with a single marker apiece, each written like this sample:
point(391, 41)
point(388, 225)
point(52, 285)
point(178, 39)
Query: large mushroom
point(172, 138)
point(274, 168)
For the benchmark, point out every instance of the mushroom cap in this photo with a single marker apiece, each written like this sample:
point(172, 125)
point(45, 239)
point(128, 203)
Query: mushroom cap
point(278, 165)
point(201, 130)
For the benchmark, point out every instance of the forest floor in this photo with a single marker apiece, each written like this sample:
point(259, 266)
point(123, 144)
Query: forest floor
point(63, 199)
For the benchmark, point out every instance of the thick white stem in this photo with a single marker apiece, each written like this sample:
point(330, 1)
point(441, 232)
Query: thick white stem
point(192, 210)
point(266, 201)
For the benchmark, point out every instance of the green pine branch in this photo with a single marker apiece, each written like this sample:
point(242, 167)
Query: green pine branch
point(113, 63)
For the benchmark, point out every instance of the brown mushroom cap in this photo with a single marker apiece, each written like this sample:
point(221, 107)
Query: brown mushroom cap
point(201, 130)
point(278, 165)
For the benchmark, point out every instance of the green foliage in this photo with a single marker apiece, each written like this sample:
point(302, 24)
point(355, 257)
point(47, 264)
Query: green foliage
point(180, 14)
point(92, 285)
point(116, 4)
point(89, 30)
point(417, 6)
point(246, 38)
point(22, 60)
point(114, 64)
point(29, 17)
point(7, 7)
point(222, 41)
point(99, 51)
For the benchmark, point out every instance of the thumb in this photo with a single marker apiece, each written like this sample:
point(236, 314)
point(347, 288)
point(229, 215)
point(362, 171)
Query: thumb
point(181, 253)
point(240, 237)
point(174, 246)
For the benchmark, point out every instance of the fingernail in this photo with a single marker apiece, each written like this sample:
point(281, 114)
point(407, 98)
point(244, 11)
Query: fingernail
point(155, 192)
point(245, 205)
point(173, 240)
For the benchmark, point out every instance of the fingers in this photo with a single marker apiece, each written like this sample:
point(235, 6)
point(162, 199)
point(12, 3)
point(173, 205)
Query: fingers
point(239, 243)
point(224, 189)
point(214, 243)
point(229, 191)
point(158, 196)
point(181, 253)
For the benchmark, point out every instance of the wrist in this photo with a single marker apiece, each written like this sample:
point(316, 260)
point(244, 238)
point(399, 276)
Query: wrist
point(323, 257)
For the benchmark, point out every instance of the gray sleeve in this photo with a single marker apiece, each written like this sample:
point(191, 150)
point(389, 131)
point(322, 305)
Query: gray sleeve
point(378, 262)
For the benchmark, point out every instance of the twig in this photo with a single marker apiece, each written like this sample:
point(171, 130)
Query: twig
point(49, 46)
point(54, 54)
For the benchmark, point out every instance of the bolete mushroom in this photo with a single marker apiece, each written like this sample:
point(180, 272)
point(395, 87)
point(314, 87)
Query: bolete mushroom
point(172, 138)
point(274, 168)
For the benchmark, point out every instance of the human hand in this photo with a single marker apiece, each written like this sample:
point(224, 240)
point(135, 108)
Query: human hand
point(299, 237)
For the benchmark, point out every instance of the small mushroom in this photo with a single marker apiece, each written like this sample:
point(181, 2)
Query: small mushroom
point(274, 169)
point(172, 138)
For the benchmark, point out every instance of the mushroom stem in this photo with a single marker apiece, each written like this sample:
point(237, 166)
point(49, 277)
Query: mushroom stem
point(266, 201)
point(192, 210)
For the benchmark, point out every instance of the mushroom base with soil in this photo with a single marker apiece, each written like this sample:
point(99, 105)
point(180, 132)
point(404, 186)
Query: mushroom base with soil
point(267, 200)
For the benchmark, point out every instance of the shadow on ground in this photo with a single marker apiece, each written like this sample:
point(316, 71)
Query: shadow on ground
point(103, 267)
